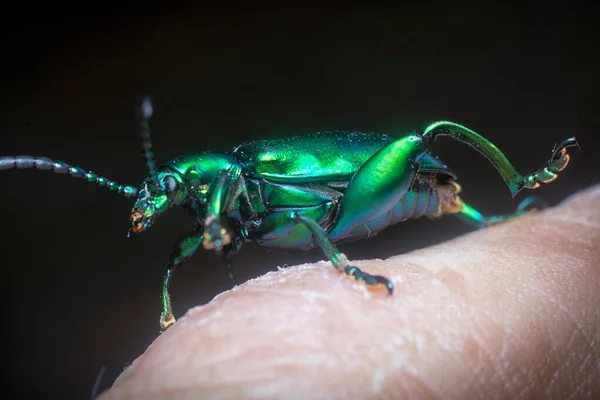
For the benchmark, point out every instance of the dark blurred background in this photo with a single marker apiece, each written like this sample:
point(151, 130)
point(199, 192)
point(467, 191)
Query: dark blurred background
point(79, 295)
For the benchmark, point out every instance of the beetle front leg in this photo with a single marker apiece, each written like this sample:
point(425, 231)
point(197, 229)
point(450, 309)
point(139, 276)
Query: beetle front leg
point(338, 259)
point(215, 234)
point(183, 249)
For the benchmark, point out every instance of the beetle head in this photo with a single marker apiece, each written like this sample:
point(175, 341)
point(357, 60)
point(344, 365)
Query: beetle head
point(172, 184)
point(155, 197)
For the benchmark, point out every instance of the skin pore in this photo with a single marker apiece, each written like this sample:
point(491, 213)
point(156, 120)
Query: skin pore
point(508, 312)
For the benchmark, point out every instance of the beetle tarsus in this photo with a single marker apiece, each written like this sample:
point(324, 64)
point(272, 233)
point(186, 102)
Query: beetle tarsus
point(339, 259)
point(166, 316)
point(215, 236)
point(368, 279)
point(166, 320)
point(549, 172)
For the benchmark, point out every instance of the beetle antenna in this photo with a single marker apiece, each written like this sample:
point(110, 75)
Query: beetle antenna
point(97, 383)
point(59, 167)
point(145, 111)
point(515, 181)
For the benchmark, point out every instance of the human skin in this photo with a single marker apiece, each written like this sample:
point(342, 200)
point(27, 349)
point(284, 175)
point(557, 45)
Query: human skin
point(508, 312)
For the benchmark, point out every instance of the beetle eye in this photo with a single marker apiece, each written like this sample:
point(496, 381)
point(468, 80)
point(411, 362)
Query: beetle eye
point(170, 185)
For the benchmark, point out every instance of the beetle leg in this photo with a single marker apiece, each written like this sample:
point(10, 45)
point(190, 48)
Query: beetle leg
point(379, 184)
point(215, 234)
point(183, 249)
point(228, 253)
point(474, 218)
point(338, 259)
point(515, 181)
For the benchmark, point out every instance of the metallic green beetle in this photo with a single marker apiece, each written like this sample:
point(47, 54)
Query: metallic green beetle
point(300, 192)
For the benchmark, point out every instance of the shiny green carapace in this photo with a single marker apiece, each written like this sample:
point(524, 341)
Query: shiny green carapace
point(306, 191)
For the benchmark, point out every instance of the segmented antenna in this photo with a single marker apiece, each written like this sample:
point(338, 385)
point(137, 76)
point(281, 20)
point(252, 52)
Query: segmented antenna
point(59, 167)
point(144, 113)
point(97, 383)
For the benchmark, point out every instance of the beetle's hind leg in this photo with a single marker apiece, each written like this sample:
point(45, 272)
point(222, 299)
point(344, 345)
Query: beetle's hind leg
point(516, 182)
point(338, 259)
point(451, 203)
point(474, 218)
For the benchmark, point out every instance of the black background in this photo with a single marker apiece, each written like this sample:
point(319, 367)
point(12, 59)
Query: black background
point(80, 295)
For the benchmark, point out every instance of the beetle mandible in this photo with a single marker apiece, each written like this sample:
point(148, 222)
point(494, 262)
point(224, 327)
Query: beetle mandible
point(300, 192)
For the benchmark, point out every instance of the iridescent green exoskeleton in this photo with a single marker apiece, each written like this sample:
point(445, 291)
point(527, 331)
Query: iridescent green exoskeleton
point(305, 192)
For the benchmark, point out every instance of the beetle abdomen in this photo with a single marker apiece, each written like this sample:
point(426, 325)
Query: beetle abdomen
point(422, 199)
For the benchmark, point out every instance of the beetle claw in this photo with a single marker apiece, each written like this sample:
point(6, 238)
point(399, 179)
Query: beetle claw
point(166, 320)
point(372, 281)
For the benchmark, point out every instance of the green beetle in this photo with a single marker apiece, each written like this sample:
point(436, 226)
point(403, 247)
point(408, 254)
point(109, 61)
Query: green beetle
point(306, 191)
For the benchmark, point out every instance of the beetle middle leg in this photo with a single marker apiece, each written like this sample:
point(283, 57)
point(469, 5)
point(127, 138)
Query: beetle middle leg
point(183, 249)
point(338, 259)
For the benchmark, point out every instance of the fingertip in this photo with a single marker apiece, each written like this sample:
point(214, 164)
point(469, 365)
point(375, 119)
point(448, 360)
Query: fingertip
point(496, 282)
point(587, 199)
